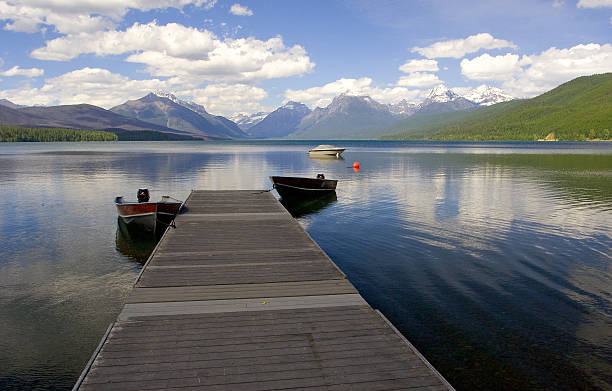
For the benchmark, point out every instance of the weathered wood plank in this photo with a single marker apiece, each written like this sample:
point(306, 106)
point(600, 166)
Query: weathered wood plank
point(240, 291)
point(239, 297)
point(131, 310)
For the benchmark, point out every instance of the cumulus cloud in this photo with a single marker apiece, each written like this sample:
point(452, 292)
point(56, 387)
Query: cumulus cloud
point(106, 89)
point(458, 48)
point(558, 3)
point(419, 80)
point(17, 71)
point(594, 3)
point(87, 85)
point(73, 16)
point(227, 99)
point(175, 39)
point(323, 95)
point(240, 10)
point(419, 66)
point(542, 72)
point(531, 75)
point(175, 50)
point(486, 67)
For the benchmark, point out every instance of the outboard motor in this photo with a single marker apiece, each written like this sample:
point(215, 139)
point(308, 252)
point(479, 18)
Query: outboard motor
point(143, 195)
point(320, 176)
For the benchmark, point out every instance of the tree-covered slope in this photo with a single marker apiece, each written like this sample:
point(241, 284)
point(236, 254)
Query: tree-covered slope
point(20, 134)
point(577, 110)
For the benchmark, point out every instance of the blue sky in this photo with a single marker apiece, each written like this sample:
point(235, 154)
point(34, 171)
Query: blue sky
point(249, 56)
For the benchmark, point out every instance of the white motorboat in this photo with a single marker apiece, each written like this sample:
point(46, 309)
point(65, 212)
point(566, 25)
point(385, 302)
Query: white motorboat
point(326, 150)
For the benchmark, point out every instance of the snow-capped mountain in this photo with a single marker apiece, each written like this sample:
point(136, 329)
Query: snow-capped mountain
point(167, 110)
point(190, 105)
point(403, 108)
point(246, 121)
point(440, 94)
point(486, 95)
point(442, 99)
point(360, 116)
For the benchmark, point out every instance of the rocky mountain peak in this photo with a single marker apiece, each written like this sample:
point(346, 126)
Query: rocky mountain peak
point(403, 108)
point(486, 95)
point(440, 94)
point(246, 120)
point(292, 105)
point(189, 105)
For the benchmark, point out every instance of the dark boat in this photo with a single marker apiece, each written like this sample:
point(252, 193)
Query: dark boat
point(310, 187)
point(147, 214)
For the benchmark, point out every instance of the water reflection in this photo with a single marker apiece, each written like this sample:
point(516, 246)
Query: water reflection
point(136, 244)
point(494, 260)
point(326, 159)
point(302, 206)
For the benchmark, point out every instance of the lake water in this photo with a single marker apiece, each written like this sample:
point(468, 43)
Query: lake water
point(494, 259)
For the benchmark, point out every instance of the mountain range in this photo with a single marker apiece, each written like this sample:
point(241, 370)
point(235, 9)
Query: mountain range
point(168, 111)
point(577, 110)
point(346, 117)
point(81, 116)
point(361, 117)
point(246, 121)
point(281, 121)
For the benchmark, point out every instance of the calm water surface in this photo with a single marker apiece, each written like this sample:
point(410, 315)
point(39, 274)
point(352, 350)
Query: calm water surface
point(495, 260)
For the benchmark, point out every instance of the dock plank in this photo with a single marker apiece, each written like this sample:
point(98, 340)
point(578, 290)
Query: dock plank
point(239, 297)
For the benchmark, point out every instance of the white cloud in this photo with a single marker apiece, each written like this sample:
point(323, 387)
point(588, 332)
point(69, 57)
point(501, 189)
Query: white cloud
point(458, 48)
point(323, 95)
point(419, 80)
point(419, 66)
point(103, 88)
point(227, 99)
point(240, 10)
point(176, 50)
point(486, 67)
point(558, 3)
point(73, 16)
point(95, 86)
point(528, 76)
point(552, 67)
point(594, 3)
point(17, 71)
point(174, 39)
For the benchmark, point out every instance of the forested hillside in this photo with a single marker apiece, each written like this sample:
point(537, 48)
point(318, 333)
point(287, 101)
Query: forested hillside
point(575, 111)
point(17, 133)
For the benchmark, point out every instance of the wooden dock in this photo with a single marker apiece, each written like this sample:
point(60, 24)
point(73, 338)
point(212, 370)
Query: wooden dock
point(239, 297)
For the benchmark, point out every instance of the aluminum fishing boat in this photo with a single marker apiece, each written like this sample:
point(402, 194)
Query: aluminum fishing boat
point(148, 215)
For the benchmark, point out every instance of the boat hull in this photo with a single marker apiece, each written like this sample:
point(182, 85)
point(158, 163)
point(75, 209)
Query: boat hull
point(166, 211)
point(142, 214)
point(147, 215)
point(295, 186)
point(326, 152)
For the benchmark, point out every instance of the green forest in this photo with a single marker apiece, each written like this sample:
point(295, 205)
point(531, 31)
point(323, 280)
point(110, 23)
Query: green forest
point(579, 110)
point(21, 134)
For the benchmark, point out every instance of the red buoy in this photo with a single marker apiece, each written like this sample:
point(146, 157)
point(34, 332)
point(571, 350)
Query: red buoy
point(356, 165)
